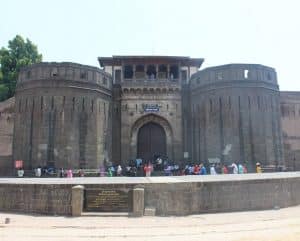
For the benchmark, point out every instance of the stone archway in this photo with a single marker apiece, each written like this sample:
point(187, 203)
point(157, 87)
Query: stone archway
point(156, 120)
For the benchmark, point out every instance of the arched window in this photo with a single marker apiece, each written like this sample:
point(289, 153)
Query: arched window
point(173, 72)
point(151, 72)
point(162, 71)
point(140, 71)
point(128, 72)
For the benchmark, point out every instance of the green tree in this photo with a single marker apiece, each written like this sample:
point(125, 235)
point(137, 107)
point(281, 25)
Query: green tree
point(19, 53)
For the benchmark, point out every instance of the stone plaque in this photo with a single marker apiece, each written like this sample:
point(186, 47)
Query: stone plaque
point(104, 200)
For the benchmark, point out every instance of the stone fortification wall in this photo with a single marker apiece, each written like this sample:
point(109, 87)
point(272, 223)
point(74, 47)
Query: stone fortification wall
point(235, 115)
point(6, 135)
point(63, 116)
point(290, 119)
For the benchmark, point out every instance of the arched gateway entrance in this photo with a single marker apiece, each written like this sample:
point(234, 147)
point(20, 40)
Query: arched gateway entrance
point(151, 141)
point(151, 134)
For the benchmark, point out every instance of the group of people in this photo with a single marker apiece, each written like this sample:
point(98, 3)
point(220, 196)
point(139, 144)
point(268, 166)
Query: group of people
point(139, 168)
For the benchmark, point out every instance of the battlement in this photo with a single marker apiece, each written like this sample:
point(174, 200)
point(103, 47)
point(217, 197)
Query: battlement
point(234, 72)
point(65, 71)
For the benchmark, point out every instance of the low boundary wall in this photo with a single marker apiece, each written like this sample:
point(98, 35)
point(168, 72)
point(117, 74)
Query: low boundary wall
point(166, 195)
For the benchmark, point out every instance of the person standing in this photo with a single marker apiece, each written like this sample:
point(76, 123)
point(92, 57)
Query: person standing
point(234, 168)
point(147, 170)
point(119, 171)
point(61, 172)
point(20, 172)
point(241, 168)
point(202, 170)
point(258, 168)
point(224, 170)
point(38, 172)
point(81, 173)
point(69, 173)
point(213, 170)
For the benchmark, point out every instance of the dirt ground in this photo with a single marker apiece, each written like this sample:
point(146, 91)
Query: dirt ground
point(279, 225)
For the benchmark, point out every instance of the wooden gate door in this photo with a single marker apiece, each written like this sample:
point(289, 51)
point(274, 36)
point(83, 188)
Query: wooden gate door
point(151, 141)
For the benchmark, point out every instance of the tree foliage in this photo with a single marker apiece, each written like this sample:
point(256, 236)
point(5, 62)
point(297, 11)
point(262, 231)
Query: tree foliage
point(19, 53)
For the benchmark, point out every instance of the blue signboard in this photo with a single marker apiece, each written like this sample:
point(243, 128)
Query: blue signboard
point(151, 107)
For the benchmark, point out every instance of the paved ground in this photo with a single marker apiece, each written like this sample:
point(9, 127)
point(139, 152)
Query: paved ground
point(272, 225)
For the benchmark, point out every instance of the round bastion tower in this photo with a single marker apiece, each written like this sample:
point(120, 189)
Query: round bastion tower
point(235, 115)
point(63, 116)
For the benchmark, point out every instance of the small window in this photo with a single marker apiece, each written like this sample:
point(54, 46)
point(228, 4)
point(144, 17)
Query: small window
point(83, 104)
point(28, 74)
point(42, 102)
point(83, 75)
point(246, 74)
point(52, 103)
point(19, 106)
point(219, 75)
point(73, 103)
point(269, 76)
point(54, 72)
point(249, 102)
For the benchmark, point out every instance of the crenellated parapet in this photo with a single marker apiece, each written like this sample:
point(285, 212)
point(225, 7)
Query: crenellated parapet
point(65, 71)
point(235, 74)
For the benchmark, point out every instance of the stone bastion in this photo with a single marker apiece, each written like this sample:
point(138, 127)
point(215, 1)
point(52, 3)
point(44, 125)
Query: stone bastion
point(62, 116)
point(184, 195)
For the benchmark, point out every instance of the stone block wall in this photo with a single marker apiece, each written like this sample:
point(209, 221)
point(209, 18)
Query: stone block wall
point(63, 116)
point(34, 198)
point(235, 115)
point(6, 135)
point(290, 118)
point(170, 196)
point(204, 197)
point(133, 97)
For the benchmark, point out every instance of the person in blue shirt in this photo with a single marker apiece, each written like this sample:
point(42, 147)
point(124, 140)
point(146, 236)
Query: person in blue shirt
point(202, 170)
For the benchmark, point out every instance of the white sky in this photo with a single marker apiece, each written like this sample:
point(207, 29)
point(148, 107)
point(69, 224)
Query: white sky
point(225, 31)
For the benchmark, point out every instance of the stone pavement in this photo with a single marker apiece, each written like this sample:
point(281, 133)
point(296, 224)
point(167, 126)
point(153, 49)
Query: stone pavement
point(271, 225)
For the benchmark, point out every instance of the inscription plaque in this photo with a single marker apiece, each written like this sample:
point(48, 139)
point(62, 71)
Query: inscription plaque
point(101, 200)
